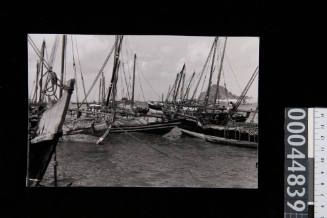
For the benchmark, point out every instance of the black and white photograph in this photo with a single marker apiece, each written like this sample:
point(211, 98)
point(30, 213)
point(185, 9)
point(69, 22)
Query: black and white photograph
point(143, 111)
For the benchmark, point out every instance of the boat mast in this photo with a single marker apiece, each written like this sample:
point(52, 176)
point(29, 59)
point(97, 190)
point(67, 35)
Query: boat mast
point(175, 86)
point(63, 54)
point(202, 71)
point(245, 90)
point(103, 88)
point(41, 70)
point(116, 58)
point(182, 89)
point(219, 73)
point(179, 83)
point(210, 77)
point(168, 93)
point(133, 87)
point(100, 90)
point(80, 68)
point(114, 91)
point(188, 87)
point(36, 82)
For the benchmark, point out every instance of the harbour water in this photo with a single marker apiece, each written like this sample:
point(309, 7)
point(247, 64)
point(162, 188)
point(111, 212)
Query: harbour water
point(145, 160)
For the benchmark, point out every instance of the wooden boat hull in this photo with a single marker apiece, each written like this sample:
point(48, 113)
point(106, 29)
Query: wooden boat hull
point(220, 140)
point(49, 130)
point(155, 107)
point(219, 134)
point(156, 128)
point(153, 128)
point(39, 158)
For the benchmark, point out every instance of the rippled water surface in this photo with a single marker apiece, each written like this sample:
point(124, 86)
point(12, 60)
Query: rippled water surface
point(145, 160)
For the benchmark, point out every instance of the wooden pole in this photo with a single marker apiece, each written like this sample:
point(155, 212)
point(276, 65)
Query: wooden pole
point(219, 73)
point(100, 90)
point(118, 43)
point(182, 89)
point(173, 89)
point(133, 86)
point(188, 87)
point(63, 53)
point(179, 82)
point(36, 82)
point(210, 77)
point(202, 71)
point(41, 70)
point(103, 88)
point(113, 71)
point(114, 91)
point(168, 93)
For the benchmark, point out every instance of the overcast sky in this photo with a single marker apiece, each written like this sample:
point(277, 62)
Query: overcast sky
point(159, 59)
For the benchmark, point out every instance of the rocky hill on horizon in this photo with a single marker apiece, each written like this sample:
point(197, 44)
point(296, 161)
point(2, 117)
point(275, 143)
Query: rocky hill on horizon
point(222, 93)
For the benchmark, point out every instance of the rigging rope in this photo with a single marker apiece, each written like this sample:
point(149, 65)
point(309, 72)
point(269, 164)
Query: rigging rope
point(80, 68)
point(65, 70)
point(141, 88)
point(51, 77)
point(37, 51)
point(122, 90)
point(203, 69)
point(129, 71)
point(233, 72)
point(123, 62)
point(75, 75)
point(141, 72)
point(246, 89)
point(53, 51)
point(205, 76)
point(31, 91)
point(46, 51)
point(127, 88)
point(99, 73)
point(225, 86)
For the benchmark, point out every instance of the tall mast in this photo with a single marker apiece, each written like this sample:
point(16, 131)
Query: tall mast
point(202, 71)
point(219, 73)
point(63, 53)
point(41, 69)
point(133, 82)
point(175, 85)
point(182, 88)
point(168, 93)
point(245, 90)
point(80, 68)
point(36, 82)
point(100, 90)
point(188, 87)
point(179, 82)
point(211, 71)
point(103, 88)
point(114, 71)
point(114, 91)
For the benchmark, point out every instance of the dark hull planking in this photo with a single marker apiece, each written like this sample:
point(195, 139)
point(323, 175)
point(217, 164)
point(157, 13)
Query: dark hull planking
point(39, 158)
point(153, 128)
point(155, 107)
point(42, 147)
point(219, 135)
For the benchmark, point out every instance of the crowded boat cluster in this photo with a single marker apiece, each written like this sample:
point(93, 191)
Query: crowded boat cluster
point(214, 115)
